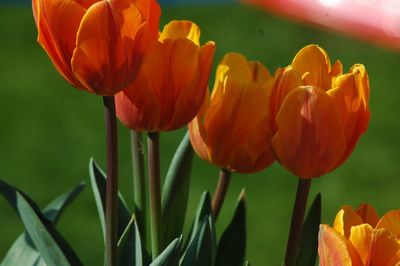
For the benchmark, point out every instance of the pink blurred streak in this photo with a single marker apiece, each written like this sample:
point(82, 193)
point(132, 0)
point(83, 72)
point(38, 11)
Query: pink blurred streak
point(377, 21)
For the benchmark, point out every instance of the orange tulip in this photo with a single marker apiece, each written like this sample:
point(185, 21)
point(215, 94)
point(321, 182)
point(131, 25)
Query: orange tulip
point(232, 129)
point(172, 81)
point(318, 113)
point(96, 45)
point(360, 238)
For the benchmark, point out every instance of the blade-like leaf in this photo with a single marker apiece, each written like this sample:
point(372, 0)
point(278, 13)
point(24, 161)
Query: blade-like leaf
point(232, 244)
point(98, 180)
point(44, 242)
point(170, 256)
point(201, 249)
point(53, 248)
point(308, 245)
point(54, 210)
point(176, 191)
point(23, 251)
point(203, 210)
point(130, 246)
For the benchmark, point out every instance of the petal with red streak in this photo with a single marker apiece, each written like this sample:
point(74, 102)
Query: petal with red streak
point(309, 139)
point(58, 22)
point(332, 248)
point(106, 58)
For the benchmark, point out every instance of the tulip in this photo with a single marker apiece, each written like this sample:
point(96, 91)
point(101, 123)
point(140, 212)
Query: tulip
point(360, 238)
point(96, 45)
point(318, 113)
point(171, 83)
point(232, 129)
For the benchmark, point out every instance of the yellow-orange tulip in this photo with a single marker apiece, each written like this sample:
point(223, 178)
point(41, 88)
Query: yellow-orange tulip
point(172, 81)
point(318, 112)
point(232, 129)
point(360, 238)
point(96, 45)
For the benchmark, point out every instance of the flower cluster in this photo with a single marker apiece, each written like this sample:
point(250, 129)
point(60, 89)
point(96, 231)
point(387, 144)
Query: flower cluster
point(308, 116)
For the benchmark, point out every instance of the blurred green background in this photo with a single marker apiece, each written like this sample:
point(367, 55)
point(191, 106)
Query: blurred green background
point(49, 131)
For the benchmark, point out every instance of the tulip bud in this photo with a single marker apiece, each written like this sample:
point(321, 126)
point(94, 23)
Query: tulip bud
point(360, 238)
point(172, 81)
point(317, 112)
point(96, 46)
point(232, 129)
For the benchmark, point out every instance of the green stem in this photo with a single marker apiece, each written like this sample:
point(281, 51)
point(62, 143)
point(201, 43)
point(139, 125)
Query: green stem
point(112, 182)
point(296, 225)
point(220, 192)
point(139, 186)
point(153, 142)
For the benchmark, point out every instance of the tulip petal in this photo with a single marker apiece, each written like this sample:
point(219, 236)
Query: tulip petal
point(391, 221)
point(198, 134)
point(332, 248)
point(286, 80)
point(345, 219)
point(57, 22)
point(181, 29)
point(368, 214)
point(151, 11)
point(313, 63)
point(310, 139)
point(351, 93)
point(235, 98)
point(376, 247)
point(109, 46)
point(189, 95)
point(86, 3)
point(138, 106)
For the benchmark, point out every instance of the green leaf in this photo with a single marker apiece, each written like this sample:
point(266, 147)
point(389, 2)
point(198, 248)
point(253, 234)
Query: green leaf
point(98, 181)
point(23, 251)
point(308, 245)
point(130, 246)
point(55, 209)
point(232, 244)
point(176, 191)
point(201, 250)
point(203, 210)
point(52, 247)
point(170, 255)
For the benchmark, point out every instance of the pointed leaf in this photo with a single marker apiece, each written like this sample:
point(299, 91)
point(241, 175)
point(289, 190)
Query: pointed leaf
point(98, 180)
point(176, 190)
point(308, 245)
point(54, 210)
point(201, 250)
point(130, 246)
point(170, 255)
point(232, 245)
point(53, 248)
point(203, 210)
point(23, 251)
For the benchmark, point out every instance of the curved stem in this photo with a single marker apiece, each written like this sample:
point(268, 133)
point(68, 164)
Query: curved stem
point(153, 142)
point(220, 192)
point(112, 182)
point(139, 187)
point(296, 225)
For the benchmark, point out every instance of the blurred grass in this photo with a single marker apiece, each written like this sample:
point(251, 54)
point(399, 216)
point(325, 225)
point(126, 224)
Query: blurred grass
point(50, 130)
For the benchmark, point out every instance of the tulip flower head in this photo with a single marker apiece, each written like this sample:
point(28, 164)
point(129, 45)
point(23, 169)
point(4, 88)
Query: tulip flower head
point(232, 128)
point(317, 112)
point(96, 45)
point(360, 238)
point(172, 81)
